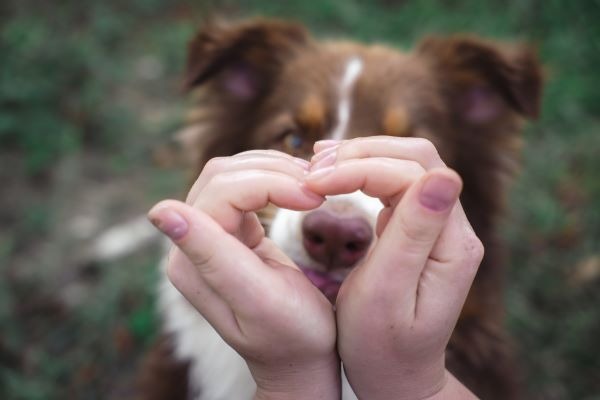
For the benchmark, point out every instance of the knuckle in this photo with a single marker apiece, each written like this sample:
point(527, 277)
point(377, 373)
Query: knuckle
point(473, 251)
point(222, 179)
point(213, 166)
point(201, 260)
point(188, 252)
point(417, 169)
point(426, 149)
point(354, 148)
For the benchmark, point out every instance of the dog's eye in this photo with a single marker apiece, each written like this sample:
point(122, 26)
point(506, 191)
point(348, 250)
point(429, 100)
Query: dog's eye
point(292, 140)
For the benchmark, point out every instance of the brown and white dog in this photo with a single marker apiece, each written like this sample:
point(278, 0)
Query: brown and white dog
point(269, 84)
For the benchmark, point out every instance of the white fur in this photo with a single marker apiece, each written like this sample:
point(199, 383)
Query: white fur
point(351, 74)
point(121, 240)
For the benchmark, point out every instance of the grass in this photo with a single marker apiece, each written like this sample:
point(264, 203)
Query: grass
point(95, 86)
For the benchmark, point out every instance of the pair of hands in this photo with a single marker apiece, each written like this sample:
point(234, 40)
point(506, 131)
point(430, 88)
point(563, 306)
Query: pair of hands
point(394, 313)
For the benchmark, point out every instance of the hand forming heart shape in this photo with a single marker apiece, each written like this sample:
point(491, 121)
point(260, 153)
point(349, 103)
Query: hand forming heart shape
point(400, 305)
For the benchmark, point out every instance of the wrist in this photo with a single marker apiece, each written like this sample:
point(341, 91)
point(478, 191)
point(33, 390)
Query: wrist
point(396, 382)
point(315, 380)
point(452, 389)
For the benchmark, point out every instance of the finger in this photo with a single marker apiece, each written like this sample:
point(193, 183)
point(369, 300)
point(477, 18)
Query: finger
point(416, 149)
point(229, 195)
point(269, 160)
point(230, 269)
point(251, 231)
point(449, 273)
point(270, 153)
point(188, 280)
point(404, 247)
point(321, 145)
point(385, 178)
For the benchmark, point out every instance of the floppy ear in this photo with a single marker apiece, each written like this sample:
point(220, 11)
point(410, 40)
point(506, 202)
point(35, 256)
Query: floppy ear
point(244, 59)
point(484, 79)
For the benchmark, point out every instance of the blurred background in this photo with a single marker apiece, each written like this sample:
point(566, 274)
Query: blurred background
point(89, 91)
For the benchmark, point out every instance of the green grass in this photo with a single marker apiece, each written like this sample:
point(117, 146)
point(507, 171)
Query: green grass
point(66, 82)
point(82, 353)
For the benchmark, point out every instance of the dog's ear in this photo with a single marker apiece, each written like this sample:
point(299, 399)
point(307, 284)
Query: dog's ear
point(244, 58)
point(484, 79)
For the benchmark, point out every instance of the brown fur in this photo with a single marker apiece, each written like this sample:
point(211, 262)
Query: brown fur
point(161, 376)
point(265, 84)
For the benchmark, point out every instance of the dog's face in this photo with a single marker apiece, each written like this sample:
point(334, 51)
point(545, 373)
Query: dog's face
point(268, 84)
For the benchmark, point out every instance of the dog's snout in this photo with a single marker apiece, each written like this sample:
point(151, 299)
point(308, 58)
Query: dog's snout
point(336, 241)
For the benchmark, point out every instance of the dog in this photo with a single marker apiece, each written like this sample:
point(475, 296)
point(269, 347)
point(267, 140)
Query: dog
point(268, 84)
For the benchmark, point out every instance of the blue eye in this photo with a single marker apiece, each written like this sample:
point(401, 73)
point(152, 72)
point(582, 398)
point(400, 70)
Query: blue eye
point(296, 141)
point(293, 140)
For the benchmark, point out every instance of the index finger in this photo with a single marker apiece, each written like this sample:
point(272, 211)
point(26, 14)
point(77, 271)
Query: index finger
point(416, 149)
point(269, 160)
point(384, 178)
point(396, 269)
point(410, 236)
point(229, 195)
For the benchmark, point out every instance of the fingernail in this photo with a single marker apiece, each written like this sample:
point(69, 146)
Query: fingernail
point(325, 144)
point(322, 154)
point(324, 162)
point(319, 173)
point(439, 193)
point(169, 222)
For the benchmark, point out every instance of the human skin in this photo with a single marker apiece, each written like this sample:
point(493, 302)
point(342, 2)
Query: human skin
point(397, 309)
point(252, 294)
point(391, 333)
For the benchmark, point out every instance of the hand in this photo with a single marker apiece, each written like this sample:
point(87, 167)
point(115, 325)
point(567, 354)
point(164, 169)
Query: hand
point(250, 292)
point(397, 310)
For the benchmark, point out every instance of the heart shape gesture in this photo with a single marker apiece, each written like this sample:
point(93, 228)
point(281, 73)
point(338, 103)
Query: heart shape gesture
point(395, 312)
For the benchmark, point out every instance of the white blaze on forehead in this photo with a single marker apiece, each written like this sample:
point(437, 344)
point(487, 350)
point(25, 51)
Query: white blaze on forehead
point(351, 73)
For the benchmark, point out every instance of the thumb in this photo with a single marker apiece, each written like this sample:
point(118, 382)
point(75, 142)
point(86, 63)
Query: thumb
point(414, 227)
point(224, 263)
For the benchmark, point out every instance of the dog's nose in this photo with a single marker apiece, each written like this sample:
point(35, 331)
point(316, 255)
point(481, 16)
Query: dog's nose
point(336, 241)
